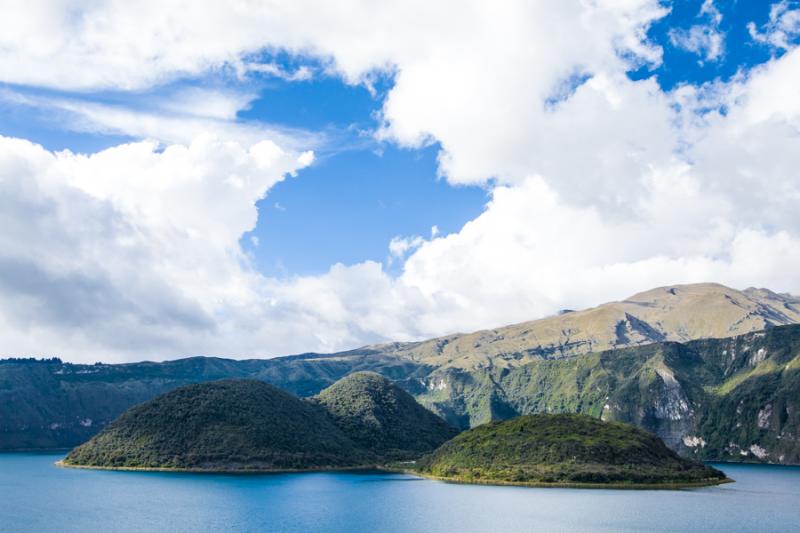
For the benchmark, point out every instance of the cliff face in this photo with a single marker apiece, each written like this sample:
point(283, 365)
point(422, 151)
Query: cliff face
point(728, 399)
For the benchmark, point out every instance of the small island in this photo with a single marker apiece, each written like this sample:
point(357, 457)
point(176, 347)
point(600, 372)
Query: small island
point(564, 450)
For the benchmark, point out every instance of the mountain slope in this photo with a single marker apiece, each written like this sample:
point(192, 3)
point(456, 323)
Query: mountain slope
point(221, 425)
point(563, 448)
point(677, 313)
point(381, 417)
point(735, 399)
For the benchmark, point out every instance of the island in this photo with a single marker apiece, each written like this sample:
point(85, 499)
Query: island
point(569, 450)
point(246, 425)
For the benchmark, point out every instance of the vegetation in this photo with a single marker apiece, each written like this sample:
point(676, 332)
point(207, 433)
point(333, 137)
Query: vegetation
point(222, 425)
point(381, 417)
point(564, 448)
point(249, 425)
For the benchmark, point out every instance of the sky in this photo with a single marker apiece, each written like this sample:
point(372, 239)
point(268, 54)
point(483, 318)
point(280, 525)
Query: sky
point(254, 179)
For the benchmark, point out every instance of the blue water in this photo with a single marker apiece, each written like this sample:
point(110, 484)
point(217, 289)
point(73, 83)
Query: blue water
point(37, 496)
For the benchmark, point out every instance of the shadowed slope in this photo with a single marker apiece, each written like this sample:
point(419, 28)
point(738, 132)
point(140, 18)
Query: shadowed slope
point(221, 425)
point(381, 417)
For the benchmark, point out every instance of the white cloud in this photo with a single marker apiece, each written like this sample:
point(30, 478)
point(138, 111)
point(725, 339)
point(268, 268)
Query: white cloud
point(705, 40)
point(782, 28)
point(206, 103)
point(701, 39)
point(709, 9)
point(121, 45)
point(133, 250)
point(400, 246)
point(173, 117)
point(301, 73)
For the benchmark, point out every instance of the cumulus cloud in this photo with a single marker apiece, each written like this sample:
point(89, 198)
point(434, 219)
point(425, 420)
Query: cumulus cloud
point(301, 73)
point(705, 40)
point(131, 248)
point(782, 28)
point(600, 185)
point(112, 44)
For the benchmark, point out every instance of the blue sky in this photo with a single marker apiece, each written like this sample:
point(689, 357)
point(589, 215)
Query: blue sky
point(359, 194)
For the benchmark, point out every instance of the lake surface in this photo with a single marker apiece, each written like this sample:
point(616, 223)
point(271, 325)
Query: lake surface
point(37, 496)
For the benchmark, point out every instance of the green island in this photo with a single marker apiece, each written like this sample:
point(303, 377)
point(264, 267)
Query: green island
point(563, 450)
point(245, 425)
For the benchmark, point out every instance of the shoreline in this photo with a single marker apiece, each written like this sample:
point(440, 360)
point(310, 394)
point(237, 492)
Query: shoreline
point(533, 484)
point(175, 470)
point(572, 485)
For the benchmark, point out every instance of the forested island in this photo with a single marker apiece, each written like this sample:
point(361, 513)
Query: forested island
point(564, 450)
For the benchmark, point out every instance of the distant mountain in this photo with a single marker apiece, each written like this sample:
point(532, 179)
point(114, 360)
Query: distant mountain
point(562, 449)
point(677, 313)
point(221, 425)
point(736, 397)
point(383, 418)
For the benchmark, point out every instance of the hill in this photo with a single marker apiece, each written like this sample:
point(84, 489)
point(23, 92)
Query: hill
point(383, 418)
point(559, 449)
point(222, 425)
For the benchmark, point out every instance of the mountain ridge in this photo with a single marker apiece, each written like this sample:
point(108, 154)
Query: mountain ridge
point(671, 313)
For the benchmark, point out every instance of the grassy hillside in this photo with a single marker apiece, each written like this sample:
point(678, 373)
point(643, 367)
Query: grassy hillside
point(563, 448)
point(381, 417)
point(228, 425)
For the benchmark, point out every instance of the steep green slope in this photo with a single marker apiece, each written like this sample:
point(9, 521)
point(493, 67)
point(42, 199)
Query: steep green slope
point(564, 448)
point(733, 399)
point(379, 416)
point(221, 425)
